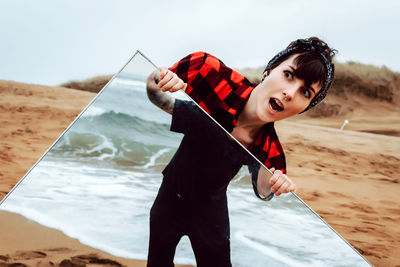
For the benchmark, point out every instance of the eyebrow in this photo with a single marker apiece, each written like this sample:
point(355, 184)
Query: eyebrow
point(294, 72)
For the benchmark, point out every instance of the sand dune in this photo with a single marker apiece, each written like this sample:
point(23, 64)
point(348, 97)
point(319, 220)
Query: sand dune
point(350, 178)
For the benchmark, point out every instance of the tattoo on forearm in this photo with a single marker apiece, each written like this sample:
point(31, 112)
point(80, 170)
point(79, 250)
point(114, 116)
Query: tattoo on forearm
point(161, 100)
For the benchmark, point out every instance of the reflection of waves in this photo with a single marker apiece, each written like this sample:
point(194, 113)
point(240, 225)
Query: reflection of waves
point(154, 157)
point(128, 126)
point(119, 138)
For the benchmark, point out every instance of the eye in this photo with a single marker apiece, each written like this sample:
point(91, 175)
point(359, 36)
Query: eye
point(288, 74)
point(306, 92)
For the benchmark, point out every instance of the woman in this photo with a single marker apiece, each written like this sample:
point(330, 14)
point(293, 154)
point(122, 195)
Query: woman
point(192, 198)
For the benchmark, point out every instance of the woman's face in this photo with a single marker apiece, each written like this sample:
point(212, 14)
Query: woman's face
point(281, 94)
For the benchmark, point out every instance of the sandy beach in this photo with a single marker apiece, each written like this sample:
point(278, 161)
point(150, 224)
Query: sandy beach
point(350, 177)
point(48, 247)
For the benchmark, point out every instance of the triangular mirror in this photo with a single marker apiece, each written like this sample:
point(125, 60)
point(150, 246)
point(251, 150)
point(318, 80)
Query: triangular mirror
point(98, 182)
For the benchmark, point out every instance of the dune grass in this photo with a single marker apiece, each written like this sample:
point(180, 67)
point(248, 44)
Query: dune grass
point(94, 84)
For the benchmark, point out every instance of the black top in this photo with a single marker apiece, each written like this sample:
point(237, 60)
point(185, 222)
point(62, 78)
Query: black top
point(207, 159)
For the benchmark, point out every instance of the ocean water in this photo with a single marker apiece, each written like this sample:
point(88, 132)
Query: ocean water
point(99, 180)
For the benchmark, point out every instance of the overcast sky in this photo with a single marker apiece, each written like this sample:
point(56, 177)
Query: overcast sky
point(54, 41)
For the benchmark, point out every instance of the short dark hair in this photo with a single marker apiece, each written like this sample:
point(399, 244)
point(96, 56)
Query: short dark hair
point(310, 66)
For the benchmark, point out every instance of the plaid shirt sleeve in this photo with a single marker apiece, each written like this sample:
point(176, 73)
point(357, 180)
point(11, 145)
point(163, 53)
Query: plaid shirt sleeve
point(222, 93)
point(212, 84)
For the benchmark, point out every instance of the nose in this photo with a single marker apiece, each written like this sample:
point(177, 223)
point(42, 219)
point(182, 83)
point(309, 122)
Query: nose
point(288, 94)
point(290, 91)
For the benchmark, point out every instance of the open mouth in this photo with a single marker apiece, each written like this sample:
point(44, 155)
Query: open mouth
point(275, 104)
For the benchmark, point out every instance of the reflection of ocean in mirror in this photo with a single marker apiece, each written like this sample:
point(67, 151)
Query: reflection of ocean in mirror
point(99, 181)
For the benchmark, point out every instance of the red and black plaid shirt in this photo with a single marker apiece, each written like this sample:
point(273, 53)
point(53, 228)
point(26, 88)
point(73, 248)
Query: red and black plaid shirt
point(222, 93)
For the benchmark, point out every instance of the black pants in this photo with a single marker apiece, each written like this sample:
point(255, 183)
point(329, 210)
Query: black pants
point(205, 222)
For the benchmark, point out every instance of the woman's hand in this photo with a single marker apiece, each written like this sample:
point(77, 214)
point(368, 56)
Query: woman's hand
point(161, 81)
point(280, 183)
point(169, 81)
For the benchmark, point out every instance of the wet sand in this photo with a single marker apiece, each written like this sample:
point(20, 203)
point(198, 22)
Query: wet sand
point(32, 244)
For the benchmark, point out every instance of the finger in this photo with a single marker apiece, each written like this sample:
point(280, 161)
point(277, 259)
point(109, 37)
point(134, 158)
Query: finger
point(282, 189)
point(289, 188)
point(278, 183)
point(162, 72)
point(165, 79)
point(292, 187)
point(275, 176)
point(171, 83)
point(178, 86)
point(275, 187)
